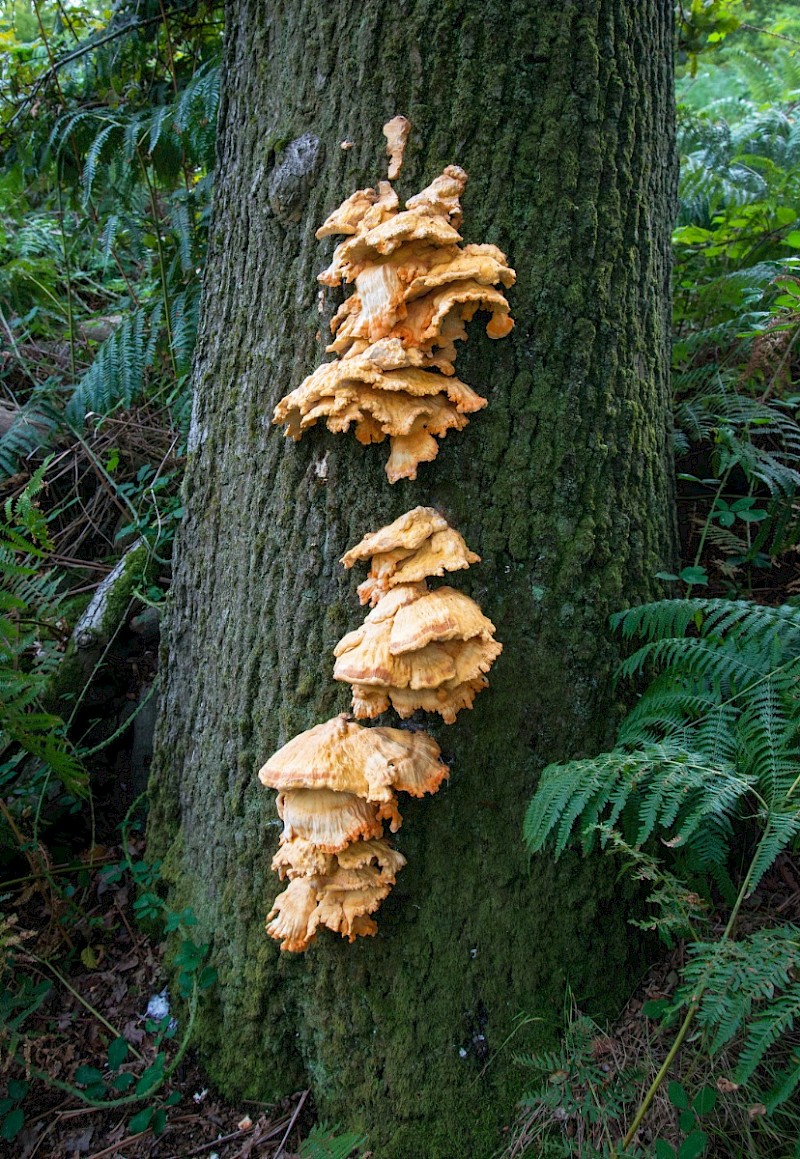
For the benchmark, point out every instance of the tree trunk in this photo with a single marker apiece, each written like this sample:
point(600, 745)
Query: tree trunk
point(561, 114)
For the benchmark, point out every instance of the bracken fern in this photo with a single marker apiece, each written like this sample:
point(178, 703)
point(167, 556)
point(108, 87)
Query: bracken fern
point(708, 763)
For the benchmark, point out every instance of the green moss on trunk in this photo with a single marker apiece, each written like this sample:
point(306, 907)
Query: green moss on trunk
point(561, 115)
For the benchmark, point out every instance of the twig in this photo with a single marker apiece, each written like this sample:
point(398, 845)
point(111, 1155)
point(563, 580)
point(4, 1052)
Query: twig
point(229, 1138)
point(50, 1127)
point(297, 1110)
point(767, 32)
point(81, 564)
point(83, 1002)
point(125, 922)
point(85, 588)
point(118, 1146)
point(67, 867)
point(215, 1142)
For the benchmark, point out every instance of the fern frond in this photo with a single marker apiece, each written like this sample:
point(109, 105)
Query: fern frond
point(658, 788)
point(753, 627)
point(196, 111)
point(323, 1143)
point(747, 989)
point(92, 158)
point(116, 377)
point(134, 136)
point(762, 80)
point(182, 230)
point(780, 833)
point(184, 310)
point(108, 236)
point(159, 116)
point(698, 658)
point(671, 708)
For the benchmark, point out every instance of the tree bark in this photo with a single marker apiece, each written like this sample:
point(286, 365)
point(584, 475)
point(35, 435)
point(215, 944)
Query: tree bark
point(561, 114)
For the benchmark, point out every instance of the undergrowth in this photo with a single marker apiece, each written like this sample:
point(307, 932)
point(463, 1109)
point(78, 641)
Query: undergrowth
point(699, 799)
point(107, 138)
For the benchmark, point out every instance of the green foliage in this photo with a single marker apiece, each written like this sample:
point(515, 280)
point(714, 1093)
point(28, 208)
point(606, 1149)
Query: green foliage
point(12, 1116)
point(710, 746)
point(107, 131)
point(107, 136)
point(701, 24)
point(106, 149)
point(736, 312)
point(704, 768)
point(749, 992)
point(578, 1096)
point(323, 1143)
point(123, 1082)
point(694, 1141)
point(32, 741)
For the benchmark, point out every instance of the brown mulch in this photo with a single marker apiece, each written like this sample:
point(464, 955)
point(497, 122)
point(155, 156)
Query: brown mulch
point(77, 931)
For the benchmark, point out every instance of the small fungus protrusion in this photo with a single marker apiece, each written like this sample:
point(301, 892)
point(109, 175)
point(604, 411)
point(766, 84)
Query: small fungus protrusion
point(396, 133)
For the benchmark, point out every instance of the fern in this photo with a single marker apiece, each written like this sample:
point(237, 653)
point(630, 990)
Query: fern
point(322, 1143)
point(736, 303)
point(708, 756)
point(196, 112)
point(662, 788)
point(712, 741)
point(749, 992)
point(93, 157)
point(34, 429)
point(184, 314)
point(116, 377)
point(29, 606)
point(574, 1108)
point(742, 625)
point(767, 83)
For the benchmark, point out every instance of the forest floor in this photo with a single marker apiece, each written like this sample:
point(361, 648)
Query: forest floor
point(109, 984)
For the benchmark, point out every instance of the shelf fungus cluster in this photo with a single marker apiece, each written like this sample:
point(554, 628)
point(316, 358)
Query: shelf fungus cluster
point(337, 784)
point(418, 648)
point(415, 288)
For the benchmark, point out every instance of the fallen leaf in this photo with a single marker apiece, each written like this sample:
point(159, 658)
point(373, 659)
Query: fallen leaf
point(89, 957)
point(79, 1143)
point(133, 1033)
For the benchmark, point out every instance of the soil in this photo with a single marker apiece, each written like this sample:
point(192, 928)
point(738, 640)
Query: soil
point(78, 935)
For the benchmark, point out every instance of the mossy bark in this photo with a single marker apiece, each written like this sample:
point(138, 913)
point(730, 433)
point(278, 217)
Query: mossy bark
point(561, 115)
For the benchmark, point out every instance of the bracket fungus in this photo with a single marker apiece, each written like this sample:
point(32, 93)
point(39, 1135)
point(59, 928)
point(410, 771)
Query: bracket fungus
point(418, 648)
point(415, 288)
point(337, 784)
